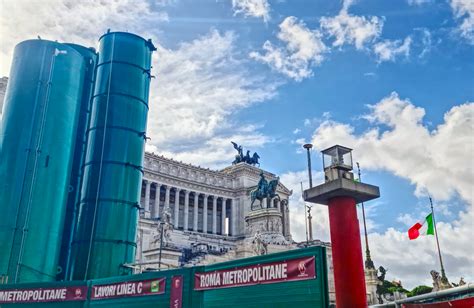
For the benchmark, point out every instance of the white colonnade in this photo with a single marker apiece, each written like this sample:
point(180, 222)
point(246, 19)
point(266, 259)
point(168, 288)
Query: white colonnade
point(190, 210)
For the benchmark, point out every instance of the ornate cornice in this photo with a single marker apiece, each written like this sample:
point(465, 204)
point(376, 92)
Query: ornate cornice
point(253, 172)
point(187, 184)
point(170, 161)
point(186, 176)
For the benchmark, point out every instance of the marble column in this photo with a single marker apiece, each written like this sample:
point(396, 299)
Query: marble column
point(214, 215)
point(282, 212)
point(186, 210)
point(279, 205)
point(167, 198)
point(204, 213)
point(147, 198)
point(196, 212)
point(156, 205)
point(224, 203)
point(140, 245)
point(233, 215)
point(176, 208)
point(287, 214)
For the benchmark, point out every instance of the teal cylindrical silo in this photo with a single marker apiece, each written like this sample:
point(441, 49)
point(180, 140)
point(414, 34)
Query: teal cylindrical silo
point(105, 237)
point(72, 204)
point(36, 150)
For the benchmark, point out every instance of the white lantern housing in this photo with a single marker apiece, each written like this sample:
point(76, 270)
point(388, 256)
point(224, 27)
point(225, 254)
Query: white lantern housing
point(337, 163)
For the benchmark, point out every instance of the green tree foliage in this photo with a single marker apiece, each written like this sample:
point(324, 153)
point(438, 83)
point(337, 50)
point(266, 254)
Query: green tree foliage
point(389, 287)
point(419, 290)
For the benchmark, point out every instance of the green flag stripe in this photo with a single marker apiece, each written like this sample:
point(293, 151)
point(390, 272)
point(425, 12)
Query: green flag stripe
point(429, 221)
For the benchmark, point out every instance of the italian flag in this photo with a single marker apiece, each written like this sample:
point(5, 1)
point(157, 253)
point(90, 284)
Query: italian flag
point(425, 228)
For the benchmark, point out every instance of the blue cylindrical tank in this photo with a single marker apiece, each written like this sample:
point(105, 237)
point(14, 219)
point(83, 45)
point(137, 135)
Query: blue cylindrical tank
point(72, 205)
point(36, 149)
point(105, 238)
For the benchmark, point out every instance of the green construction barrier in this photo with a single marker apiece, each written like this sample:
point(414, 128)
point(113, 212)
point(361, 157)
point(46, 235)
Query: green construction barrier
point(42, 293)
point(278, 280)
point(303, 292)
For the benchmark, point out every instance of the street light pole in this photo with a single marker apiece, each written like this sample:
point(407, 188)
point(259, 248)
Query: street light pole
point(161, 244)
point(310, 223)
point(308, 147)
point(304, 213)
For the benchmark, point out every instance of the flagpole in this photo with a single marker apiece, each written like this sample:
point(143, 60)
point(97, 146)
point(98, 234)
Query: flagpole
point(443, 274)
point(304, 211)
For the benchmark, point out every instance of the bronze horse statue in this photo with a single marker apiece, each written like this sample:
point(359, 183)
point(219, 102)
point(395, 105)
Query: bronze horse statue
point(240, 157)
point(270, 192)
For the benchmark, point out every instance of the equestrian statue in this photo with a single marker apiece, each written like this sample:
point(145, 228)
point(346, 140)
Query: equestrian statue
point(264, 190)
point(241, 158)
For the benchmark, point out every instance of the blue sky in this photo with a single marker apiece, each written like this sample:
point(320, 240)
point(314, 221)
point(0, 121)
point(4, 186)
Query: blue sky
point(392, 79)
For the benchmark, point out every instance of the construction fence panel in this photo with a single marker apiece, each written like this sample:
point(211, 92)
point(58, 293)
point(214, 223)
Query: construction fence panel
point(276, 280)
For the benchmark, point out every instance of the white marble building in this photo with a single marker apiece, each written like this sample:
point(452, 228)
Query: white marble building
point(221, 227)
point(206, 212)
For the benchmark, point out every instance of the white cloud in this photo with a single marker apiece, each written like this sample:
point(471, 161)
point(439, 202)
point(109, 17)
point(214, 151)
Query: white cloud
point(426, 41)
point(81, 22)
point(317, 120)
point(444, 208)
point(252, 8)
point(199, 86)
point(411, 261)
point(352, 29)
point(300, 141)
point(408, 261)
point(303, 49)
point(388, 50)
point(165, 2)
point(371, 212)
point(296, 131)
point(215, 153)
point(419, 2)
point(346, 4)
point(407, 219)
point(364, 33)
point(319, 213)
point(439, 161)
point(464, 11)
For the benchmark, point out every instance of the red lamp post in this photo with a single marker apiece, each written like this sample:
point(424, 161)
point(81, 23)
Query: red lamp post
point(341, 193)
